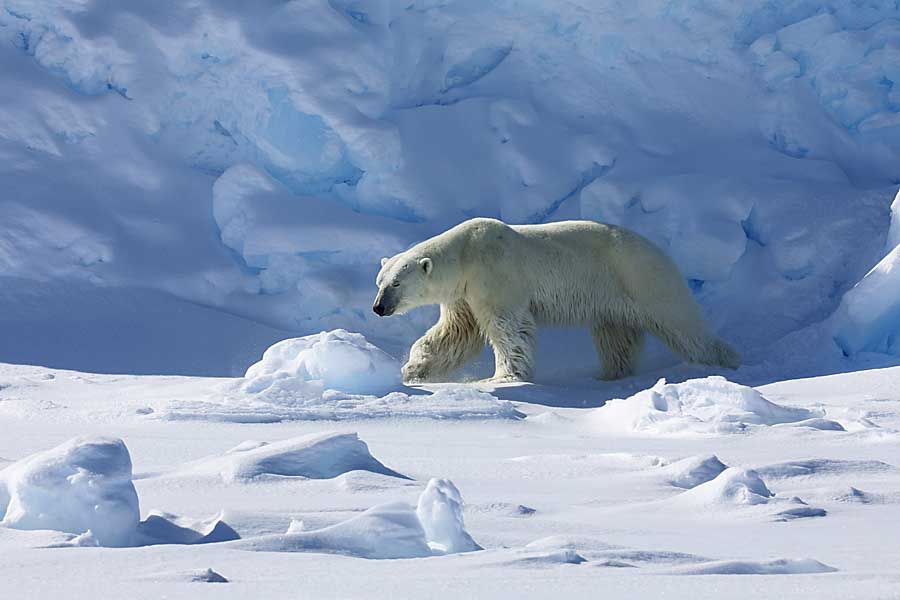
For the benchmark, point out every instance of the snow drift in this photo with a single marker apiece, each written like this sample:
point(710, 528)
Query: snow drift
point(395, 530)
point(313, 456)
point(335, 375)
point(712, 405)
point(733, 486)
point(79, 486)
point(332, 360)
point(868, 318)
point(84, 487)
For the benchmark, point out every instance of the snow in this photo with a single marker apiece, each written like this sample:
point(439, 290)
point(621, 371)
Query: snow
point(557, 505)
point(332, 360)
point(775, 567)
point(249, 165)
point(316, 456)
point(712, 405)
point(83, 485)
point(382, 532)
point(334, 375)
point(440, 511)
point(693, 470)
point(188, 184)
point(385, 531)
point(869, 316)
point(454, 402)
point(731, 486)
point(164, 528)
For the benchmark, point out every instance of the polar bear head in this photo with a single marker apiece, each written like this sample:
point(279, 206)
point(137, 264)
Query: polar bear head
point(404, 283)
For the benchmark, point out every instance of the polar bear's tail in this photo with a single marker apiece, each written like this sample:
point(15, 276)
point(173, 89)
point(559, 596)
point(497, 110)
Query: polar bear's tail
point(697, 347)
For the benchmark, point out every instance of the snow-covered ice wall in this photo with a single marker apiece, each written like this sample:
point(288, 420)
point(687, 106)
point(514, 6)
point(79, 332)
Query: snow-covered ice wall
point(182, 184)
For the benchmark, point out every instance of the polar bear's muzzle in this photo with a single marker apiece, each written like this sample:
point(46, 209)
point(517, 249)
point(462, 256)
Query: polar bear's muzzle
point(385, 303)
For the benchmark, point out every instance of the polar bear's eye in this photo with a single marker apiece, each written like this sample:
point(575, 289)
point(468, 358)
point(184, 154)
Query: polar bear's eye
point(395, 284)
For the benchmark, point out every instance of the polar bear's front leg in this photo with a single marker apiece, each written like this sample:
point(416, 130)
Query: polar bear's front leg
point(512, 337)
point(448, 345)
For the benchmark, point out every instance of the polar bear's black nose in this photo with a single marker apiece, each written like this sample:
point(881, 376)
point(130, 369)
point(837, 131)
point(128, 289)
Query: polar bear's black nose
point(379, 309)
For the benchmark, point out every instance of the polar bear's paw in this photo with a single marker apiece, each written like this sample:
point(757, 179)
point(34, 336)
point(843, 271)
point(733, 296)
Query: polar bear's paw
point(504, 379)
point(415, 372)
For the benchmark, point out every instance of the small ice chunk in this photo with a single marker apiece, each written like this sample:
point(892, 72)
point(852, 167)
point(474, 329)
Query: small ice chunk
point(296, 526)
point(207, 576)
point(440, 512)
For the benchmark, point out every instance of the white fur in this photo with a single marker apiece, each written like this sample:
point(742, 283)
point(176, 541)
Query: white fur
point(498, 283)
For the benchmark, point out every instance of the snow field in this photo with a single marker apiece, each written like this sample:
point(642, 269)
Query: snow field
point(712, 405)
point(580, 505)
point(84, 488)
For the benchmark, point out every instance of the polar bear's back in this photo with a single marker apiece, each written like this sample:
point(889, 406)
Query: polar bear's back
point(577, 271)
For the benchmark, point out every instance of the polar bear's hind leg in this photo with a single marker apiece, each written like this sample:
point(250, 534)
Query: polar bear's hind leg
point(619, 347)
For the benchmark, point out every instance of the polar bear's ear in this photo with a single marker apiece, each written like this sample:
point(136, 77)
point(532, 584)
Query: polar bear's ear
point(384, 261)
point(426, 265)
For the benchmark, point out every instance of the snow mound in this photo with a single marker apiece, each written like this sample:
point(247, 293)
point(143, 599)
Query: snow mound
point(549, 558)
point(821, 467)
point(712, 405)
point(334, 375)
point(83, 485)
point(384, 531)
point(330, 360)
point(800, 512)
point(868, 318)
point(815, 423)
point(782, 566)
point(164, 528)
point(395, 530)
point(448, 402)
point(440, 510)
point(313, 456)
point(692, 471)
point(582, 544)
point(733, 486)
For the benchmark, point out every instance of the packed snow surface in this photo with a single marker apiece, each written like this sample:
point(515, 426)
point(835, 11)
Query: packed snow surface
point(712, 405)
point(553, 506)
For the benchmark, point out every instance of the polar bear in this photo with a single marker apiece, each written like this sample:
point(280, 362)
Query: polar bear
point(497, 283)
